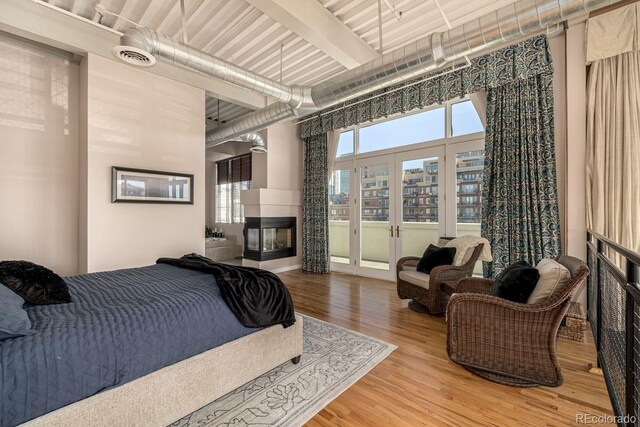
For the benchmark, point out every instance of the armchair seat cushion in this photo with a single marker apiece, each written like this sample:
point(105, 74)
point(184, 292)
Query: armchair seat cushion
point(415, 278)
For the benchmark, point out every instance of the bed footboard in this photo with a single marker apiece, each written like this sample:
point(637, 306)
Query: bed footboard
point(166, 395)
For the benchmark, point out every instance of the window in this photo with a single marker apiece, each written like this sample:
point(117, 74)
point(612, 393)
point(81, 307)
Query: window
point(345, 144)
point(233, 176)
point(465, 119)
point(405, 130)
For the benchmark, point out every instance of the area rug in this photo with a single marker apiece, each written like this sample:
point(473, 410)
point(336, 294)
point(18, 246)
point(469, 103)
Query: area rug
point(334, 358)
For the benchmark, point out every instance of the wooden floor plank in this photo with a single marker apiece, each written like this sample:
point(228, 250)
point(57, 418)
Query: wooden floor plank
point(418, 384)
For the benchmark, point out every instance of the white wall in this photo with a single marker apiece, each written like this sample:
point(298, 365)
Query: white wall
point(576, 98)
point(284, 170)
point(38, 158)
point(557, 48)
point(140, 120)
point(569, 84)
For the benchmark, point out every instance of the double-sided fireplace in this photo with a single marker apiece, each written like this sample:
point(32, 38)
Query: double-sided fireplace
point(269, 238)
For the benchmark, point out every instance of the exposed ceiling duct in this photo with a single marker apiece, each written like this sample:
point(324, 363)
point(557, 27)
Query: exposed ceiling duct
point(506, 25)
point(255, 138)
point(156, 45)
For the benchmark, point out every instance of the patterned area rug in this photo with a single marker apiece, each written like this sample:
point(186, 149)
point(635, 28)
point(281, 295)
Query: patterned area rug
point(334, 358)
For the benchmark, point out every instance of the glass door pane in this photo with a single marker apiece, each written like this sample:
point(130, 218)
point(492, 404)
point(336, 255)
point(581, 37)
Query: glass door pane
point(375, 218)
point(469, 169)
point(420, 208)
point(339, 214)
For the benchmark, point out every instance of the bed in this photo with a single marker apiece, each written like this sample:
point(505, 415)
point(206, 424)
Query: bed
point(141, 346)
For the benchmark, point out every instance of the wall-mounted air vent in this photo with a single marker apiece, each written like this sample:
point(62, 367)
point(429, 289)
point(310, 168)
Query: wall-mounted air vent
point(134, 56)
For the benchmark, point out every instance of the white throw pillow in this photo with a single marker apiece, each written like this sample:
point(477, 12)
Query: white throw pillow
point(553, 276)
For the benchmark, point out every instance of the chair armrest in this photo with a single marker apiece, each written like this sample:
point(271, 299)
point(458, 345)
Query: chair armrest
point(444, 273)
point(507, 339)
point(499, 335)
point(495, 303)
point(408, 261)
point(474, 285)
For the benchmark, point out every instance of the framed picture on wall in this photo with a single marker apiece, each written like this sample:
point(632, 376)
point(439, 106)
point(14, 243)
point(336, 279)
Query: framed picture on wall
point(146, 186)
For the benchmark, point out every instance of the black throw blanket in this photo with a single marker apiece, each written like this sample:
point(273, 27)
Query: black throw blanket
point(258, 298)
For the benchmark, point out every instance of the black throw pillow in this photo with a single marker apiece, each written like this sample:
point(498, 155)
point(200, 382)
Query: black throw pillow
point(34, 283)
point(434, 256)
point(516, 282)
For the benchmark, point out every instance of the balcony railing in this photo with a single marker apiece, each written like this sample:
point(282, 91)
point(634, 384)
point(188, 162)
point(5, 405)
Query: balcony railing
point(613, 308)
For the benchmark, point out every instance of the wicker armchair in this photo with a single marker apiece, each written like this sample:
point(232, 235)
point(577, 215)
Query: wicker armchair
point(508, 342)
point(424, 290)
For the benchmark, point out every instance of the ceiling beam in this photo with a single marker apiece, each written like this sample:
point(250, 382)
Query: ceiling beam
point(42, 23)
point(317, 25)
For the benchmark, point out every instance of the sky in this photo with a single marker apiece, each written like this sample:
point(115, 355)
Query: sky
point(411, 129)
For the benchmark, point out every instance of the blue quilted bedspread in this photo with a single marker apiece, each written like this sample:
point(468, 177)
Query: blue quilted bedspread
point(120, 326)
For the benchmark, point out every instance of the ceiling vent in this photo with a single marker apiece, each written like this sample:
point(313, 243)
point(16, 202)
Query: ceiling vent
point(134, 56)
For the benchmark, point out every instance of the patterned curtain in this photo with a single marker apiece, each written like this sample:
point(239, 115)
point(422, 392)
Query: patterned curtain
point(516, 62)
point(520, 212)
point(315, 206)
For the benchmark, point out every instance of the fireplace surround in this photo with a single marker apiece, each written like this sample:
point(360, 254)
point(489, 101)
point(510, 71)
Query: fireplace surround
point(268, 238)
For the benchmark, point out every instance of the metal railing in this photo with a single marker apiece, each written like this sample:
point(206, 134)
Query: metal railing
point(613, 309)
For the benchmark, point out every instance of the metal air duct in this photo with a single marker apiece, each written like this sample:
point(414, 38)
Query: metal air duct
point(506, 25)
point(255, 138)
point(145, 45)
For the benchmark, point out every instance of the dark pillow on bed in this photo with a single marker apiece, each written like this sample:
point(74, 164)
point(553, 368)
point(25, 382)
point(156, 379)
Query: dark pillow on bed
point(14, 321)
point(34, 283)
point(434, 256)
point(516, 282)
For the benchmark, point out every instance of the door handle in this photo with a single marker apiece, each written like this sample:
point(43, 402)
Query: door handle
point(391, 230)
point(397, 231)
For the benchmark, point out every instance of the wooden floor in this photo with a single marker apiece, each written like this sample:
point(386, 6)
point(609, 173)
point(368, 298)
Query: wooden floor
point(418, 384)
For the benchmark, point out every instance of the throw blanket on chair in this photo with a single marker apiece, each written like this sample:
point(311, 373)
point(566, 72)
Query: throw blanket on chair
point(258, 298)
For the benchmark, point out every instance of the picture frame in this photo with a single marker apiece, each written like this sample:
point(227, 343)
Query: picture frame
point(130, 185)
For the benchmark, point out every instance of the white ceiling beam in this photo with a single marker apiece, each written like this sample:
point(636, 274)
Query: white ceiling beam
point(41, 22)
point(311, 21)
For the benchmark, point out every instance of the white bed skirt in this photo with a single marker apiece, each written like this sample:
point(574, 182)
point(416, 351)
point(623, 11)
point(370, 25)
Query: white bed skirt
point(166, 395)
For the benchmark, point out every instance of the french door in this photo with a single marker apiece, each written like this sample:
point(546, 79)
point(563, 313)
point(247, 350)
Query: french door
point(421, 217)
point(375, 217)
point(383, 208)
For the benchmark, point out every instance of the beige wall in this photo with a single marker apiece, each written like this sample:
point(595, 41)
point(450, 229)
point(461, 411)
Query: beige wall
point(39, 158)
point(140, 120)
point(284, 157)
point(576, 97)
point(557, 48)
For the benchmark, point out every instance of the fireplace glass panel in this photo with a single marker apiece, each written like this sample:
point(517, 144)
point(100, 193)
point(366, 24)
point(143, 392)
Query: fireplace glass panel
point(274, 239)
point(253, 239)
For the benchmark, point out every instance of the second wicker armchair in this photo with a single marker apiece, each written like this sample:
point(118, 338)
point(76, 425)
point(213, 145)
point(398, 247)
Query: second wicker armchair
point(508, 342)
